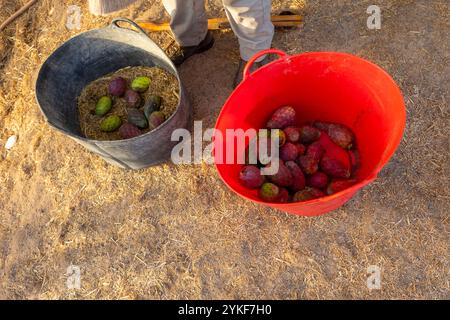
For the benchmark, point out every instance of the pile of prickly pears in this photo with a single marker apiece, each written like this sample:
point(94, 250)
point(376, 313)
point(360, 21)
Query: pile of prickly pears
point(316, 159)
point(141, 115)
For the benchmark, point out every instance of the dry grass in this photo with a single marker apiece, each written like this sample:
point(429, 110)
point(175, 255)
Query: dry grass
point(177, 231)
point(162, 84)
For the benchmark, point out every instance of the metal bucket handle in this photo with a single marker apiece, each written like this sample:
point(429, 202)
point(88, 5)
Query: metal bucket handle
point(115, 24)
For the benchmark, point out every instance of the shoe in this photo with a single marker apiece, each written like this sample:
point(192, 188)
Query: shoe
point(185, 53)
point(240, 71)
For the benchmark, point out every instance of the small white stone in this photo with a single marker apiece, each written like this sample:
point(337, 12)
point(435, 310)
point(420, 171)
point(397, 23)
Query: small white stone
point(10, 142)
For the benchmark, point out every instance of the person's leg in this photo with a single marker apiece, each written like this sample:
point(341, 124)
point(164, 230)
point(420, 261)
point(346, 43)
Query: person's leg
point(251, 22)
point(189, 23)
point(104, 7)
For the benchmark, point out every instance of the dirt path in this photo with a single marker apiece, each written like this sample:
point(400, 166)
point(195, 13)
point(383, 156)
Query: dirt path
point(177, 231)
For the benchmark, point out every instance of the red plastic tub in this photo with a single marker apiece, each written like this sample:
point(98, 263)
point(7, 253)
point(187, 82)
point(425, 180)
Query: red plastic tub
point(326, 86)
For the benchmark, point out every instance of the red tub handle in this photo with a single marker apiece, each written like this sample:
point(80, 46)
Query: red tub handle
point(258, 55)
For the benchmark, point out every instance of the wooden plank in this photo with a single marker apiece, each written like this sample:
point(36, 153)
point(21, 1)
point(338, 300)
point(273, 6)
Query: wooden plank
point(222, 23)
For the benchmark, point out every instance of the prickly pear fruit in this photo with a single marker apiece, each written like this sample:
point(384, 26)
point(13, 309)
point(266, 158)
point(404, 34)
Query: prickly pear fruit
point(281, 137)
point(338, 133)
point(283, 196)
point(316, 193)
point(321, 125)
point(309, 134)
point(140, 84)
point(283, 177)
point(156, 119)
point(128, 131)
point(292, 134)
point(110, 123)
point(103, 106)
point(282, 118)
point(318, 180)
point(308, 164)
point(117, 87)
point(269, 192)
point(340, 165)
point(302, 195)
point(289, 152)
point(137, 118)
point(250, 177)
point(152, 104)
point(133, 99)
point(339, 185)
point(355, 160)
point(341, 135)
point(307, 194)
point(315, 151)
point(298, 178)
point(301, 149)
point(334, 168)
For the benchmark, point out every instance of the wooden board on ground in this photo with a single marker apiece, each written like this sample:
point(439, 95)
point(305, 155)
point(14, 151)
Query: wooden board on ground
point(222, 23)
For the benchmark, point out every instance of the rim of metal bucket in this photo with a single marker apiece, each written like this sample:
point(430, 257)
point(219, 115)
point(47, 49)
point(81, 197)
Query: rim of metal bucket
point(114, 25)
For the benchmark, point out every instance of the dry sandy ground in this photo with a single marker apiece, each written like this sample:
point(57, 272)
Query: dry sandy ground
point(177, 231)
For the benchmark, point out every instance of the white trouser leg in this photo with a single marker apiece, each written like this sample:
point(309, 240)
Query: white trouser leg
point(189, 23)
point(251, 22)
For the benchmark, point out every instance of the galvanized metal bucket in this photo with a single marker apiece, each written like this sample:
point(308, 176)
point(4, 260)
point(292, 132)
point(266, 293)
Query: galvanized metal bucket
point(89, 56)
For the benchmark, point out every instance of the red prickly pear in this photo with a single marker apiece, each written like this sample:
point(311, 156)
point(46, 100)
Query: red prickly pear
point(250, 177)
point(307, 194)
point(318, 180)
point(282, 118)
point(340, 158)
point(339, 185)
point(316, 193)
point(289, 152)
point(315, 151)
point(341, 135)
point(156, 119)
point(128, 131)
point(133, 99)
point(308, 164)
point(117, 87)
point(301, 149)
point(321, 125)
point(283, 177)
point(309, 134)
point(269, 192)
point(292, 134)
point(338, 133)
point(298, 178)
point(283, 196)
point(303, 195)
point(355, 160)
point(334, 168)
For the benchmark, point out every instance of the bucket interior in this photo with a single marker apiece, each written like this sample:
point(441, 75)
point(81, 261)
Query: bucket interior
point(331, 87)
point(84, 59)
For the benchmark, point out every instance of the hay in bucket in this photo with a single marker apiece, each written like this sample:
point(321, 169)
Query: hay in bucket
point(163, 84)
